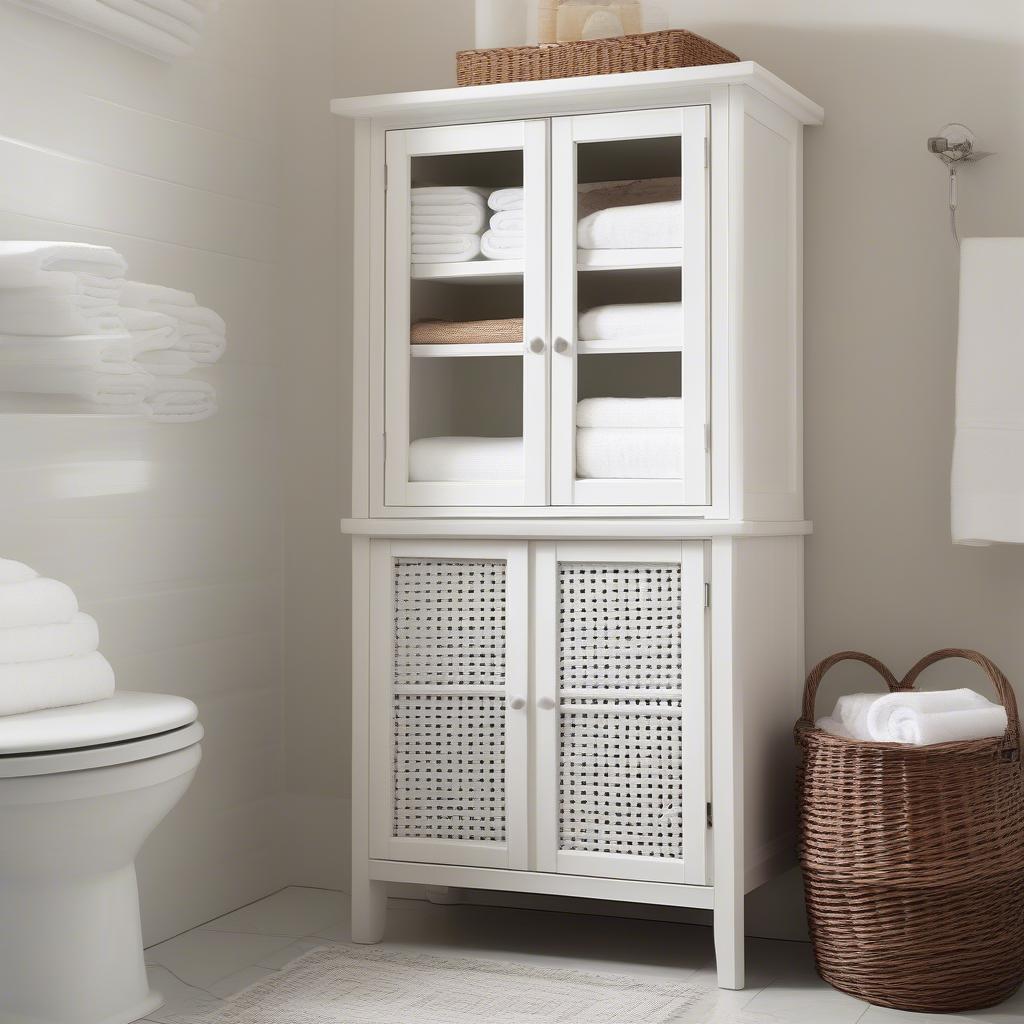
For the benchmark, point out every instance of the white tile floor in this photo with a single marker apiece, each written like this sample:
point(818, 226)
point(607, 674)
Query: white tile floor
point(210, 963)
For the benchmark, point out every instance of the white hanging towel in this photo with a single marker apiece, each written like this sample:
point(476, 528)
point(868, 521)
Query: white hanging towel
point(41, 643)
point(987, 484)
point(58, 682)
point(36, 602)
point(31, 264)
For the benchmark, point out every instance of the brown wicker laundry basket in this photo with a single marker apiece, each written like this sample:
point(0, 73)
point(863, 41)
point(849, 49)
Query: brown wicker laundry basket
point(913, 857)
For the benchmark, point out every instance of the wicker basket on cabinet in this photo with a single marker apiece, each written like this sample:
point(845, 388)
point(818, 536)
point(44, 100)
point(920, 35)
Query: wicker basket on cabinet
point(913, 857)
point(648, 51)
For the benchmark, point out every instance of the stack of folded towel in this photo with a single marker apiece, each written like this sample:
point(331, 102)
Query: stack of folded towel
point(172, 335)
point(629, 438)
point(447, 221)
point(636, 322)
point(48, 648)
point(60, 332)
point(161, 28)
point(638, 214)
point(505, 237)
point(916, 717)
point(466, 458)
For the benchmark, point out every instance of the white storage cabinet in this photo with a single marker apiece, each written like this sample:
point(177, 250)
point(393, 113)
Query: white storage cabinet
point(570, 681)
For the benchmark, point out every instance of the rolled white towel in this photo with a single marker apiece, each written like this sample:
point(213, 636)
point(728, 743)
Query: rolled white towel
point(630, 412)
point(15, 572)
point(181, 400)
point(505, 199)
point(632, 321)
point(58, 682)
point(648, 226)
point(897, 717)
point(101, 388)
point(37, 601)
point(444, 248)
point(466, 458)
point(502, 247)
point(31, 264)
point(629, 453)
point(508, 222)
point(110, 353)
point(852, 711)
point(19, 644)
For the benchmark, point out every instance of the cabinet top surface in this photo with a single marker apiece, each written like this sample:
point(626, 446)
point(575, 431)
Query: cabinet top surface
point(636, 88)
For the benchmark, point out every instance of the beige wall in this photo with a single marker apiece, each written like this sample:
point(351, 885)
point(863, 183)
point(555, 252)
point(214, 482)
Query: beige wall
point(880, 337)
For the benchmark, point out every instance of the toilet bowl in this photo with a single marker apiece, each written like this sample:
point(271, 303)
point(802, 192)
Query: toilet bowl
point(80, 790)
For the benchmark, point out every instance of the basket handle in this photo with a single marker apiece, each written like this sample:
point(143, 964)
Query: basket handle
point(817, 673)
point(1011, 742)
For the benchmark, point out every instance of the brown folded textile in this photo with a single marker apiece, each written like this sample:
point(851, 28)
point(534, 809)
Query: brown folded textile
point(603, 195)
point(466, 332)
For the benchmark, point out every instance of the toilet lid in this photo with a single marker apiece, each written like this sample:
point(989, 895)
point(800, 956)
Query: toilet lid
point(123, 717)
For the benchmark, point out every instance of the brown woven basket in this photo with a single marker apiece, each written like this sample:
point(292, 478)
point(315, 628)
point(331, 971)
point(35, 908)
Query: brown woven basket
point(675, 48)
point(913, 857)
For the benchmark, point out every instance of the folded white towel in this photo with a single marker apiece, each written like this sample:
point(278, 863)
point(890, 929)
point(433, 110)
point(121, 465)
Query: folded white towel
point(630, 412)
point(103, 353)
point(987, 486)
point(502, 247)
point(504, 199)
point(629, 453)
point(508, 222)
point(181, 400)
point(45, 313)
point(449, 219)
point(852, 711)
point(202, 333)
point(20, 644)
point(632, 321)
point(36, 602)
point(59, 682)
point(15, 572)
point(31, 264)
point(444, 248)
point(149, 331)
point(649, 226)
point(144, 11)
point(447, 195)
point(168, 362)
point(466, 458)
point(102, 388)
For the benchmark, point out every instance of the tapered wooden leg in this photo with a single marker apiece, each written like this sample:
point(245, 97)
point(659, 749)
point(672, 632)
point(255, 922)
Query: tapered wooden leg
point(369, 911)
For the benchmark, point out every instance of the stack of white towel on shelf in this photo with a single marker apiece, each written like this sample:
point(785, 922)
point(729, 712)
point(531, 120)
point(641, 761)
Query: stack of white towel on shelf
point(162, 28)
point(48, 648)
point(466, 458)
point(447, 222)
point(629, 438)
point(633, 322)
point(504, 238)
point(916, 717)
point(644, 213)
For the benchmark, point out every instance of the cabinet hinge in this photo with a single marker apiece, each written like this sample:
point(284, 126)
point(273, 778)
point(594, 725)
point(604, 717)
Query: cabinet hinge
point(707, 595)
point(707, 149)
point(707, 437)
point(710, 819)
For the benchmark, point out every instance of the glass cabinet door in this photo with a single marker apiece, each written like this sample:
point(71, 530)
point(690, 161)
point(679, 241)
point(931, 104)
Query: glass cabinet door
point(629, 370)
point(466, 286)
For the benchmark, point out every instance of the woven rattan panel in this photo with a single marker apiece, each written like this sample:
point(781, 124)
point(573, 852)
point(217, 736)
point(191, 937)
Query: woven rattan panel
point(449, 746)
point(621, 755)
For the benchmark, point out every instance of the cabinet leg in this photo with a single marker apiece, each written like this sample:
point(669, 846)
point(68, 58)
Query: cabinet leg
point(369, 910)
point(729, 945)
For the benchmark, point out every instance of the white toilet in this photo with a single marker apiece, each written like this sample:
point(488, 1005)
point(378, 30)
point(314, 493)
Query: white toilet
point(80, 790)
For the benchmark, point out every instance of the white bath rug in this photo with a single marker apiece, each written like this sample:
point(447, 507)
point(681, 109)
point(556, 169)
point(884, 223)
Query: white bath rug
point(373, 985)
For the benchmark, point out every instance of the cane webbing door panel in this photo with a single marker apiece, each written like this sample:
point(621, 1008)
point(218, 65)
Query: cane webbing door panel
point(448, 703)
point(621, 700)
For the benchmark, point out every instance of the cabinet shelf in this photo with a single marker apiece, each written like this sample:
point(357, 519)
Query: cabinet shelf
point(615, 345)
point(628, 259)
point(514, 348)
point(472, 272)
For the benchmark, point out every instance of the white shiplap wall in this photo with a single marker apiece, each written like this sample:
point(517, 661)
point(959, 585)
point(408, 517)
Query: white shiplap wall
point(170, 535)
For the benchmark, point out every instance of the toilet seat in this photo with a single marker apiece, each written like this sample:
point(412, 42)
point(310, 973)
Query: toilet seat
point(126, 727)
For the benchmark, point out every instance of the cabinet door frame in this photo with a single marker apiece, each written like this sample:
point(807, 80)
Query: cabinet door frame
point(692, 125)
point(401, 147)
point(692, 869)
point(383, 844)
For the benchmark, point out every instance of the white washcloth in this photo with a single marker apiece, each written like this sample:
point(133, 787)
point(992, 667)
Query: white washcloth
point(181, 400)
point(40, 643)
point(106, 388)
point(15, 572)
point(649, 226)
point(56, 683)
point(103, 353)
point(444, 248)
point(98, 17)
point(466, 458)
point(46, 313)
point(632, 321)
point(36, 602)
point(503, 199)
point(146, 11)
point(33, 264)
point(628, 453)
point(502, 247)
point(508, 222)
point(987, 485)
point(630, 412)
point(447, 195)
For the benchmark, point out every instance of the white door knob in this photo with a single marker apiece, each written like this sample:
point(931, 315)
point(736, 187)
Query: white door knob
point(545, 703)
point(517, 703)
point(536, 345)
point(561, 346)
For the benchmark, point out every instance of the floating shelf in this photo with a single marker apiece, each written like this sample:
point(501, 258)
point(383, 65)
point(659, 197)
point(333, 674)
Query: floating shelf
point(668, 343)
point(456, 351)
point(628, 259)
point(473, 272)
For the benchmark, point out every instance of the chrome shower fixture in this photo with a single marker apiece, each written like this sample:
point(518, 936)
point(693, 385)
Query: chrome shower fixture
point(955, 147)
